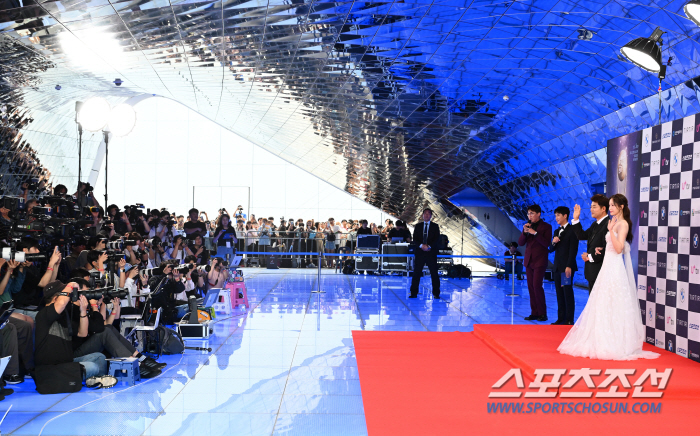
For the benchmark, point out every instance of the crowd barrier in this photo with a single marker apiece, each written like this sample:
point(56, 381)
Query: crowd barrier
point(321, 257)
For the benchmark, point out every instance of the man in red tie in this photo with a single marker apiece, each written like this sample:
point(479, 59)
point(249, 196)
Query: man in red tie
point(537, 234)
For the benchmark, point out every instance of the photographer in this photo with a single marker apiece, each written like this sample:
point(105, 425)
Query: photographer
point(93, 332)
point(121, 222)
point(166, 285)
point(156, 252)
point(135, 284)
point(22, 326)
point(54, 332)
point(180, 227)
point(194, 227)
point(218, 274)
point(240, 230)
point(85, 195)
point(97, 243)
point(225, 238)
point(29, 297)
point(164, 228)
point(70, 263)
point(133, 252)
point(60, 190)
point(178, 251)
point(197, 277)
point(197, 249)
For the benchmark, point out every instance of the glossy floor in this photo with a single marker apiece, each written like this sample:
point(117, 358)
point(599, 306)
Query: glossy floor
point(287, 367)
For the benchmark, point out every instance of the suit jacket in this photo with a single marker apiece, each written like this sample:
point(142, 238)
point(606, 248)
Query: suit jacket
point(595, 237)
point(565, 250)
point(536, 252)
point(433, 236)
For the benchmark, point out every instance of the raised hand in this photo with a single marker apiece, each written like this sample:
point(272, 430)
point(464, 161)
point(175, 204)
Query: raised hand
point(577, 212)
point(611, 223)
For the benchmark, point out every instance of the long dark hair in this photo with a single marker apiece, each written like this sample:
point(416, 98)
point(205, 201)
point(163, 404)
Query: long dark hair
point(621, 200)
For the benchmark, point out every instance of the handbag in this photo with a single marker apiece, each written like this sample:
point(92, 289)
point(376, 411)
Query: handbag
point(64, 378)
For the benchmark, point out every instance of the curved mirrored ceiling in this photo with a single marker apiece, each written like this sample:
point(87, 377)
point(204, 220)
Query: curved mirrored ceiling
point(402, 104)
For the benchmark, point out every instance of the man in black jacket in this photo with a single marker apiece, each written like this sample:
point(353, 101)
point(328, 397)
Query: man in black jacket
point(595, 237)
point(426, 235)
point(565, 247)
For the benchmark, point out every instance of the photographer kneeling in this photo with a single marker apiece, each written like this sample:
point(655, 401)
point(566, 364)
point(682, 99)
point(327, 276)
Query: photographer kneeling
point(100, 335)
point(54, 333)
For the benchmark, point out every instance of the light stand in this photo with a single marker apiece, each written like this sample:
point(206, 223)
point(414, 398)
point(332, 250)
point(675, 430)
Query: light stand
point(78, 105)
point(105, 135)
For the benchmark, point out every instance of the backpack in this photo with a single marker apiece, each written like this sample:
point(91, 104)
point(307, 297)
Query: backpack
point(64, 378)
point(170, 342)
point(331, 237)
point(349, 266)
point(459, 272)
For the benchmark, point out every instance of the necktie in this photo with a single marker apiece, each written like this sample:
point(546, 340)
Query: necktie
point(426, 226)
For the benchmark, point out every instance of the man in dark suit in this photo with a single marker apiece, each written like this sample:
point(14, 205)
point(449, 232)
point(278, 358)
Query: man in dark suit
point(537, 234)
point(565, 247)
point(595, 237)
point(426, 235)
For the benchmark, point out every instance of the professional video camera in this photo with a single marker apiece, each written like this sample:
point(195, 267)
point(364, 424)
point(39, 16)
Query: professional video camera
point(114, 256)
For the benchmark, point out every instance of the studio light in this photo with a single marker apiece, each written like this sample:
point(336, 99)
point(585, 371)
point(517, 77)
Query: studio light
point(692, 11)
point(94, 113)
point(645, 52)
point(122, 120)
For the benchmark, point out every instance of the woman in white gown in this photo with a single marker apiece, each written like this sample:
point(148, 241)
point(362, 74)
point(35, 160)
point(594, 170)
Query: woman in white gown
point(610, 326)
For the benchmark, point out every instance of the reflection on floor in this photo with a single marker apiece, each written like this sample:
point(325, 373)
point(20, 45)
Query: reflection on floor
point(287, 367)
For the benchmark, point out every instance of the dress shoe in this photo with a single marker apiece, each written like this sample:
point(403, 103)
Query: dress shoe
point(542, 318)
point(569, 323)
point(413, 296)
point(557, 322)
point(436, 296)
point(531, 318)
point(5, 392)
point(13, 379)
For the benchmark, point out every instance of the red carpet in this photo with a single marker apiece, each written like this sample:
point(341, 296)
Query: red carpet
point(424, 383)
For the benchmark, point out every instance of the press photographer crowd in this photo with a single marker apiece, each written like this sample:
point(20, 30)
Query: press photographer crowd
point(69, 270)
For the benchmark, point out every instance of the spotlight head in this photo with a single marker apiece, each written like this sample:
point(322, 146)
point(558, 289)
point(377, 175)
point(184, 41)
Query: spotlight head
point(506, 98)
point(692, 11)
point(122, 120)
point(93, 114)
point(118, 82)
point(58, 87)
point(644, 52)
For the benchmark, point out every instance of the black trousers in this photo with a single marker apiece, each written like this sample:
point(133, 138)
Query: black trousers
point(591, 273)
point(420, 261)
point(8, 346)
point(25, 343)
point(565, 298)
point(109, 340)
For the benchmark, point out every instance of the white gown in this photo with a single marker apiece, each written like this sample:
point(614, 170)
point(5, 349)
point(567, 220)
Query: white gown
point(610, 326)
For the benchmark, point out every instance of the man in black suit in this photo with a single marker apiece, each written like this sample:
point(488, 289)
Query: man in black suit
point(565, 247)
point(426, 234)
point(595, 237)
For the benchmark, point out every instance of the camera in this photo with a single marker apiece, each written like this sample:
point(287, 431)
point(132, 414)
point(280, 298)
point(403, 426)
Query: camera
point(95, 294)
point(203, 268)
point(114, 245)
point(114, 256)
point(8, 253)
point(14, 204)
point(152, 272)
point(97, 280)
point(183, 269)
point(154, 242)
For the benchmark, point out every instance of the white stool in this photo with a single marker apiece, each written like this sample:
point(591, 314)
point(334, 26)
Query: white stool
point(224, 303)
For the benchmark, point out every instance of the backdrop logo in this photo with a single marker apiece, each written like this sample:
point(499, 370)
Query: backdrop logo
point(670, 345)
point(643, 214)
point(682, 295)
point(664, 162)
point(651, 315)
point(669, 320)
point(666, 135)
point(695, 240)
point(646, 137)
point(671, 240)
point(687, 157)
point(643, 237)
point(651, 291)
point(675, 159)
point(663, 212)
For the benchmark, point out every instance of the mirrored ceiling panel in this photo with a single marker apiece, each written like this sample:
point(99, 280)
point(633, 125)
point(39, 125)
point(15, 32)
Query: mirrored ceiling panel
point(401, 103)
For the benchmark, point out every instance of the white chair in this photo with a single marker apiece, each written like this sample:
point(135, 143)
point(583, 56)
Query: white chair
point(144, 328)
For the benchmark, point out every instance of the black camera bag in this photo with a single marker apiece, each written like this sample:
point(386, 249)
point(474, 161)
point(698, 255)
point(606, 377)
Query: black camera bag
point(64, 378)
